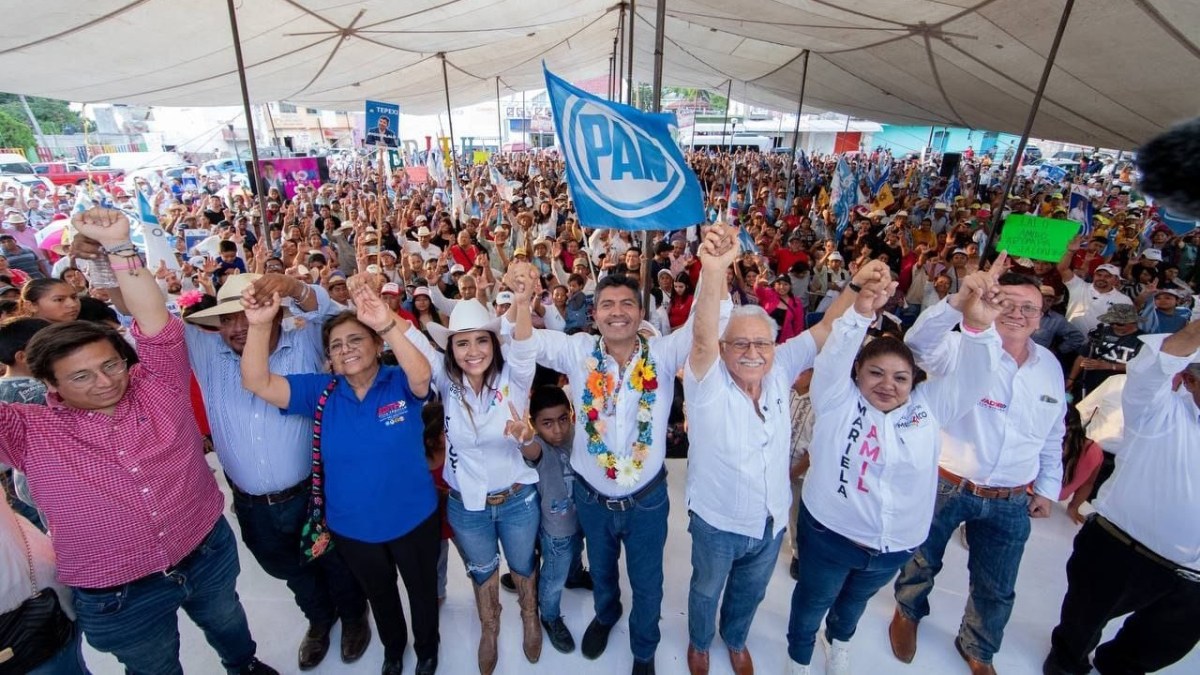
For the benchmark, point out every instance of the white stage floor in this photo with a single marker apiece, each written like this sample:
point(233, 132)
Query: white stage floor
point(277, 624)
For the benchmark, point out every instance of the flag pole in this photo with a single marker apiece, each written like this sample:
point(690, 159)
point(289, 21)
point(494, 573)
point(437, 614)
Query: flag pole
point(725, 123)
point(619, 81)
point(994, 225)
point(449, 114)
point(660, 20)
point(254, 170)
point(629, 61)
point(799, 108)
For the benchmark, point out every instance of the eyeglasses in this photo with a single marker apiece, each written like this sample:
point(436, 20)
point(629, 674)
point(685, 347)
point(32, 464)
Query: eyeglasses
point(88, 377)
point(742, 346)
point(1028, 311)
point(352, 343)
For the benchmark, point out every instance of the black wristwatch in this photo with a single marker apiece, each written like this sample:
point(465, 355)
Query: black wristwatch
point(854, 287)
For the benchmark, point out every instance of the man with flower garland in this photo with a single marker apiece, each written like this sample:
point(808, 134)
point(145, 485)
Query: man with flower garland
point(618, 451)
point(737, 388)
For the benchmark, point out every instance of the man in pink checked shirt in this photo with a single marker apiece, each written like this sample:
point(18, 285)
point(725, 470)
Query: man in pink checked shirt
point(116, 463)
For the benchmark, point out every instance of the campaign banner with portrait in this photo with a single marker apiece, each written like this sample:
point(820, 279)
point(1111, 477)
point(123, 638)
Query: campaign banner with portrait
point(382, 125)
point(285, 173)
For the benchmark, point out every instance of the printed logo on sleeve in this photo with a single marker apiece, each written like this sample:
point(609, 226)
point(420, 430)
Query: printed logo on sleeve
point(392, 413)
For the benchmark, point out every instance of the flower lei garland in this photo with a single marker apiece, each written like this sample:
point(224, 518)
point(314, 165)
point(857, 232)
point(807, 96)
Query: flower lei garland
point(600, 393)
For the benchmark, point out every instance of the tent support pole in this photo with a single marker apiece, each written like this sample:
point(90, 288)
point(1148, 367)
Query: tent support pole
point(499, 124)
point(796, 130)
point(629, 44)
point(449, 114)
point(271, 120)
point(994, 225)
point(254, 168)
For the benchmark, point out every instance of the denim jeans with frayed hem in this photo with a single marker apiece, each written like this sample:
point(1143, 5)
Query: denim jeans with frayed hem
point(478, 535)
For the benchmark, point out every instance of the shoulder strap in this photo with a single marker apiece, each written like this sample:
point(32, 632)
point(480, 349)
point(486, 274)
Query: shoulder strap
point(318, 468)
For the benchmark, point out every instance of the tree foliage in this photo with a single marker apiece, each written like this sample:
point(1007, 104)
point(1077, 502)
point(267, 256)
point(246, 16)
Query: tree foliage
point(14, 132)
point(56, 117)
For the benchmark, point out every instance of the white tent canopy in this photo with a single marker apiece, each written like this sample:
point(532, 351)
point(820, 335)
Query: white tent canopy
point(1125, 70)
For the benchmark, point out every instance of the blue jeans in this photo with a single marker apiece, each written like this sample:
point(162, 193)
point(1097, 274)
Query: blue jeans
point(996, 533)
point(138, 622)
point(743, 566)
point(68, 660)
point(643, 531)
point(324, 589)
point(560, 556)
point(837, 576)
point(478, 535)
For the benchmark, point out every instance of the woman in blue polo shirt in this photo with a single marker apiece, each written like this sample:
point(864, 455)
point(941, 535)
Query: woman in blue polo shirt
point(380, 502)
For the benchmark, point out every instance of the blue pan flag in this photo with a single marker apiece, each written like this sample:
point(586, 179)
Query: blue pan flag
point(624, 170)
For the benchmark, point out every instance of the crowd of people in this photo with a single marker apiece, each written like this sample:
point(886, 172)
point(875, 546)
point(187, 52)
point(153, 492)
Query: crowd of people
point(459, 360)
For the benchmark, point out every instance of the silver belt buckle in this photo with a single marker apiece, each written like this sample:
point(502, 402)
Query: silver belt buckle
point(621, 504)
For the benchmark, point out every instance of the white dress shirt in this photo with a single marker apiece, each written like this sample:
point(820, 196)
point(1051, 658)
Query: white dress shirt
point(480, 458)
point(1013, 434)
point(569, 354)
point(428, 251)
point(1155, 490)
point(873, 477)
point(738, 462)
point(1085, 304)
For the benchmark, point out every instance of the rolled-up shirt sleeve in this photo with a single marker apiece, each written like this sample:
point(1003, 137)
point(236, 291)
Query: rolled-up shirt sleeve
point(1146, 398)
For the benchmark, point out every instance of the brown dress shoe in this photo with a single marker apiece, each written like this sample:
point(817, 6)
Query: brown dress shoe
point(977, 667)
point(356, 636)
point(314, 646)
point(697, 661)
point(902, 633)
point(741, 662)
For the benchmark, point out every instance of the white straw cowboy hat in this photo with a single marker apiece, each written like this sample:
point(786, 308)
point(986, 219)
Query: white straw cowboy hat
point(229, 301)
point(468, 315)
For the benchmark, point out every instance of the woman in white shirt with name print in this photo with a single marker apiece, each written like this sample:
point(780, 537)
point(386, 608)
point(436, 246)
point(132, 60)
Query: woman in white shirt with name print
point(869, 495)
point(493, 492)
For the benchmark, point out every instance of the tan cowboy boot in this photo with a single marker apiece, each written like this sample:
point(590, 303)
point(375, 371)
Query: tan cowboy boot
point(487, 601)
point(528, 598)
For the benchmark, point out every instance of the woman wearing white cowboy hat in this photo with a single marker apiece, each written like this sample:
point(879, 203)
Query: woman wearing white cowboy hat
point(484, 382)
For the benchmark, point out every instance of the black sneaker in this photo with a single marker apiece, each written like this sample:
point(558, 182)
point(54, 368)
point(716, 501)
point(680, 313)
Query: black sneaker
point(507, 583)
point(794, 569)
point(560, 636)
point(257, 667)
point(581, 580)
point(643, 668)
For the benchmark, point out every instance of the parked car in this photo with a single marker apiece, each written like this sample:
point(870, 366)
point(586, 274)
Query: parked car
point(17, 168)
point(70, 173)
point(1029, 169)
point(134, 161)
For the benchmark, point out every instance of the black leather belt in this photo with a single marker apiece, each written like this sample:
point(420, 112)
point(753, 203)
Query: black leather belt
point(1140, 548)
point(274, 497)
point(627, 502)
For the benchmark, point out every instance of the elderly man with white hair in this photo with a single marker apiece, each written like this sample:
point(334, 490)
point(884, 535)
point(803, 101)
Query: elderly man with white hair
point(736, 386)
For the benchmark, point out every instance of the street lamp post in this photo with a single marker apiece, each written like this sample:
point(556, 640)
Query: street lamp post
point(733, 122)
